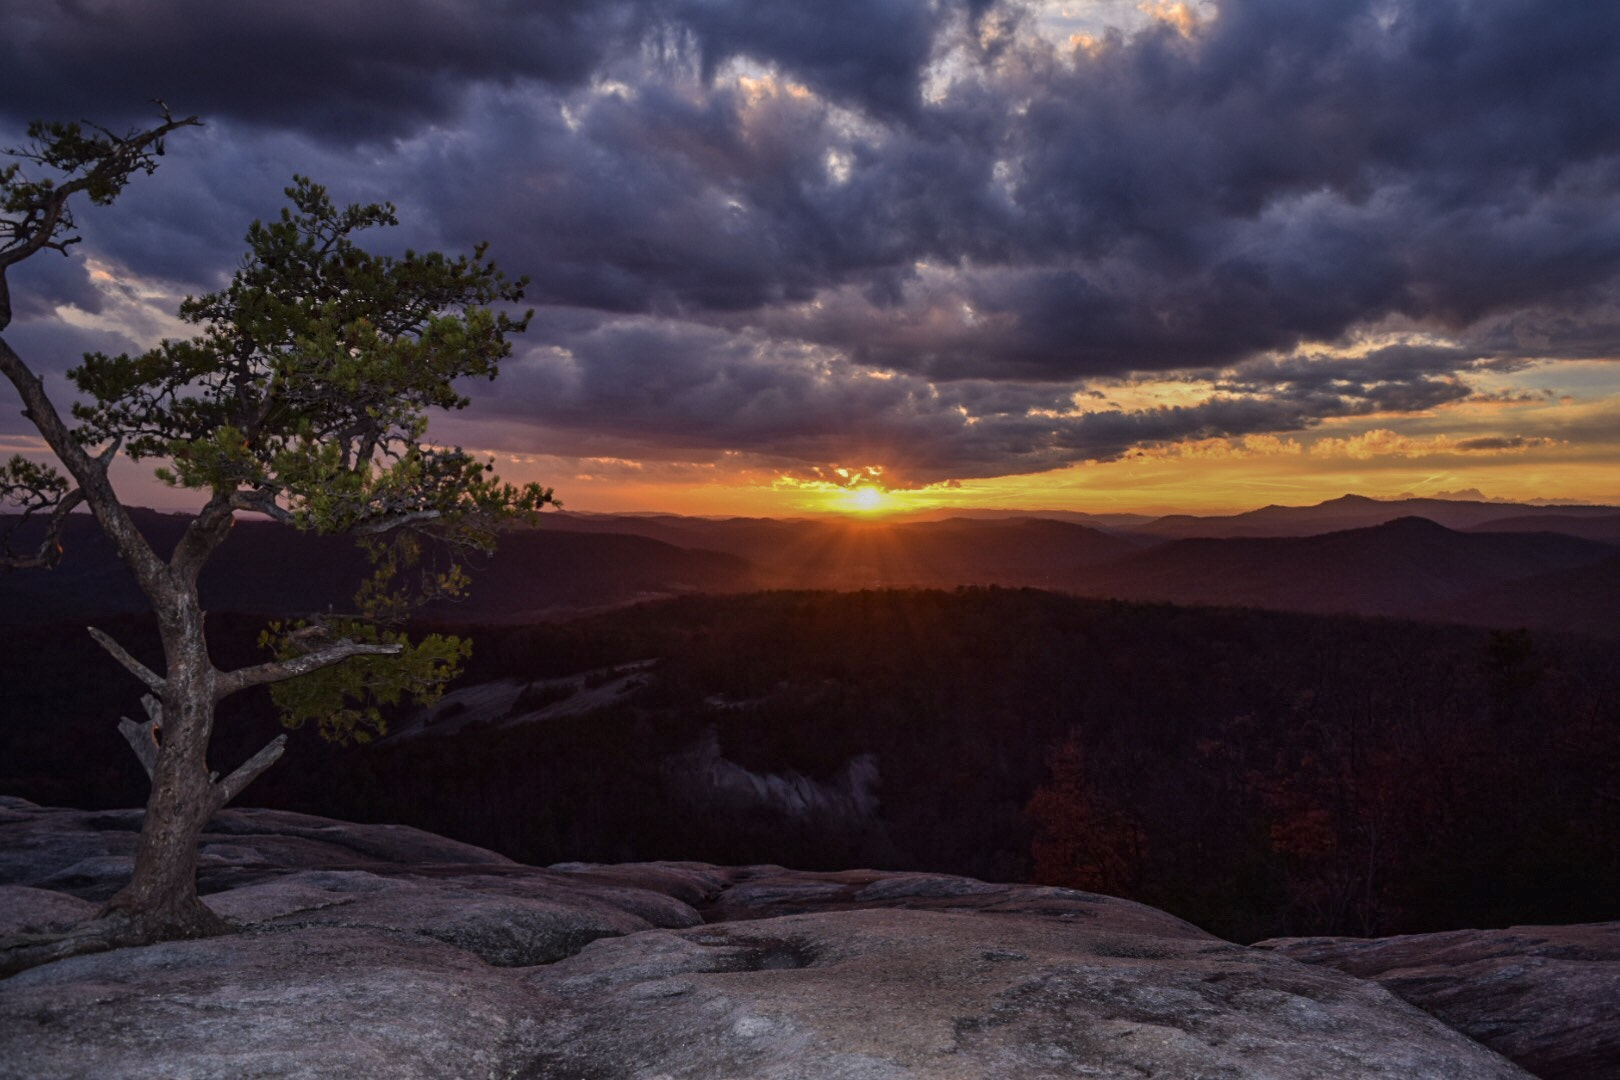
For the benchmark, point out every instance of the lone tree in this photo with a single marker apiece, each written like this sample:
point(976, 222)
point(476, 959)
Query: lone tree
point(302, 397)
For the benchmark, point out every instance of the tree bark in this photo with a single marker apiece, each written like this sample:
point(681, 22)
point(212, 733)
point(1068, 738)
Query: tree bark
point(161, 898)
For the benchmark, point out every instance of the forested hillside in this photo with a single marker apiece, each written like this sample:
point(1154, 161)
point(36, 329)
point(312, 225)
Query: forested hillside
point(1257, 773)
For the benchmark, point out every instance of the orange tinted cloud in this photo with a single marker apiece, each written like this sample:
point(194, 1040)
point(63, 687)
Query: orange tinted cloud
point(1382, 442)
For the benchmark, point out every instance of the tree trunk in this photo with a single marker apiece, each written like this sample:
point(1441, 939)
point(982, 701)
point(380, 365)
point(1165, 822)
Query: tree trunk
point(160, 901)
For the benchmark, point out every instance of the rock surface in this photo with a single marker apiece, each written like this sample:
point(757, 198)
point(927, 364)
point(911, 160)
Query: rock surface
point(338, 1003)
point(89, 853)
point(1546, 996)
point(898, 993)
point(38, 911)
point(382, 951)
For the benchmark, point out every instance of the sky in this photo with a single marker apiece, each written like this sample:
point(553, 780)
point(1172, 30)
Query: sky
point(908, 254)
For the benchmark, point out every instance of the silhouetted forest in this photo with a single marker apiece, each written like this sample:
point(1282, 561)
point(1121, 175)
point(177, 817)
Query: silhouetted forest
point(1257, 773)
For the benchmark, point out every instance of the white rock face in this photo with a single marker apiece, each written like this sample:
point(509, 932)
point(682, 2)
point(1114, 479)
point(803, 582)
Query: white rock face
point(378, 951)
point(1546, 996)
point(907, 993)
point(315, 1003)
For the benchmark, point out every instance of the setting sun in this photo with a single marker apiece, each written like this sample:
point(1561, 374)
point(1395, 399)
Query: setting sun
point(868, 500)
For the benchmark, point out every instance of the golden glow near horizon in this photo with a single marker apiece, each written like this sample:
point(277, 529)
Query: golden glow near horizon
point(1547, 430)
point(1215, 476)
point(1544, 432)
point(1381, 458)
point(1510, 444)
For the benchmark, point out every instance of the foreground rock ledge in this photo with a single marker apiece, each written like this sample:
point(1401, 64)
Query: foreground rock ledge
point(381, 951)
point(1546, 996)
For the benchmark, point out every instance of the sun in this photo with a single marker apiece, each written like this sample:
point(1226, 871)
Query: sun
point(868, 500)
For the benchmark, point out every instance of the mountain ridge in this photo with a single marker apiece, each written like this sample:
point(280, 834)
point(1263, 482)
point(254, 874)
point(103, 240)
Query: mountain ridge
point(1400, 567)
point(1354, 511)
point(568, 564)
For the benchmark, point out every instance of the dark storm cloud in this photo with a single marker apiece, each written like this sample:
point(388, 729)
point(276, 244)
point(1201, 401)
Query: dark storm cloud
point(664, 380)
point(866, 52)
point(666, 383)
point(905, 187)
point(49, 280)
point(60, 346)
point(1397, 378)
point(375, 69)
point(1284, 174)
point(790, 405)
point(666, 196)
point(365, 69)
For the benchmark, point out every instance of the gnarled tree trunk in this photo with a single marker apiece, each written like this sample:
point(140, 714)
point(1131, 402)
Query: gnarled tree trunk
point(161, 899)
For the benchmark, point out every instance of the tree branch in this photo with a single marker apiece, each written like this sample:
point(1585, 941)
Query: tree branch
point(274, 671)
point(123, 156)
point(134, 666)
point(205, 533)
point(261, 502)
point(143, 738)
point(50, 546)
point(230, 787)
point(90, 472)
point(395, 521)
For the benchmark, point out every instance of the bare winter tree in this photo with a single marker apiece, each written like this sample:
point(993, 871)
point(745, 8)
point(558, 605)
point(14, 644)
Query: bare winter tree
point(302, 397)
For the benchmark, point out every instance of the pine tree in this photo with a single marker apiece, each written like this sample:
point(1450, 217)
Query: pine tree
point(304, 397)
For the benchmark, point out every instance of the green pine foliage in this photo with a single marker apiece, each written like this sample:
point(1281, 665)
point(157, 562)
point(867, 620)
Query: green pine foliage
point(347, 701)
point(305, 393)
point(305, 396)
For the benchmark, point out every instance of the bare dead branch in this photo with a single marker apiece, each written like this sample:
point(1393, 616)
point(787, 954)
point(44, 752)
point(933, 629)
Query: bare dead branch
point(275, 671)
point(142, 739)
point(230, 787)
point(134, 666)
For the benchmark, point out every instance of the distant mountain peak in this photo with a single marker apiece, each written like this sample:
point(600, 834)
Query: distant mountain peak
point(1413, 523)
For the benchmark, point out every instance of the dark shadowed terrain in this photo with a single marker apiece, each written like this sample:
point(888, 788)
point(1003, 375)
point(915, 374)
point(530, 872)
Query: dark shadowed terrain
point(1257, 773)
point(1237, 728)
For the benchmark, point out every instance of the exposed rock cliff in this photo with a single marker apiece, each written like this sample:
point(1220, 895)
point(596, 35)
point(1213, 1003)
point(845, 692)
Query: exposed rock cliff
point(1546, 996)
point(378, 950)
